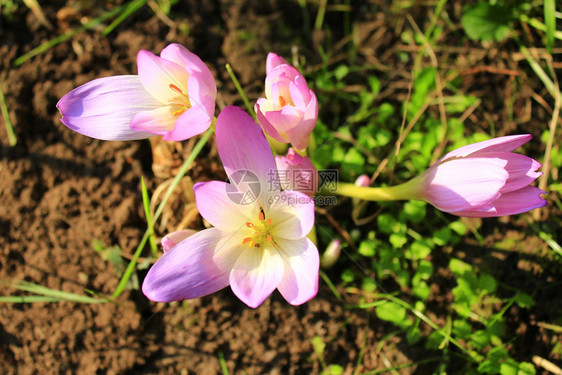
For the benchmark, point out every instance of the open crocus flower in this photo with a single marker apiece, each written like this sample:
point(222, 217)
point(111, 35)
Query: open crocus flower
point(256, 245)
point(173, 95)
point(483, 179)
point(297, 172)
point(289, 111)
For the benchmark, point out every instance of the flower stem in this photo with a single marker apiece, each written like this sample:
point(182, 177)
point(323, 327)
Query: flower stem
point(405, 191)
point(240, 91)
point(184, 168)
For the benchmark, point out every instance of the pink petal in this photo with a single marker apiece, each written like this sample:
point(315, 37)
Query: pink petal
point(157, 121)
point(500, 144)
point(267, 127)
point(272, 61)
point(256, 274)
point(199, 72)
point(286, 119)
point(292, 213)
point(282, 74)
point(194, 121)
point(158, 75)
point(174, 238)
point(302, 262)
point(300, 93)
point(104, 107)
point(242, 146)
point(217, 203)
point(514, 202)
point(460, 184)
point(518, 201)
point(188, 270)
point(521, 169)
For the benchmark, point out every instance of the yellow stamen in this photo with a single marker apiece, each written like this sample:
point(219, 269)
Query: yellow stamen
point(260, 235)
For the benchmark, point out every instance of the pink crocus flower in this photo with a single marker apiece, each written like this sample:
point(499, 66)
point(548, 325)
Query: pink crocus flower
point(297, 172)
point(256, 245)
point(483, 179)
point(173, 95)
point(289, 111)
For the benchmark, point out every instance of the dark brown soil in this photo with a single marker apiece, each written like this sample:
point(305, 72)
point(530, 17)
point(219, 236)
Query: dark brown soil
point(59, 191)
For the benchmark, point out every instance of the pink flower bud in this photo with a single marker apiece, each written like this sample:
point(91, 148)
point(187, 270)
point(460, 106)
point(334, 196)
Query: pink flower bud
point(363, 180)
point(484, 179)
point(331, 254)
point(289, 111)
point(297, 172)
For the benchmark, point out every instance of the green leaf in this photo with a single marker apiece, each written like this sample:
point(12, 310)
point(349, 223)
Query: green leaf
point(341, 71)
point(421, 290)
point(419, 250)
point(487, 22)
point(523, 300)
point(353, 161)
point(397, 240)
point(413, 211)
point(487, 283)
point(393, 312)
point(318, 345)
point(367, 248)
point(442, 236)
point(458, 267)
point(333, 370)
point(458, 227)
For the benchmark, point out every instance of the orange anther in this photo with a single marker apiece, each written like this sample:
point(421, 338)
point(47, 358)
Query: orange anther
point(175, 88)
point(262, 216)
point(249, 225)
point(269, 221)
point(246, 240)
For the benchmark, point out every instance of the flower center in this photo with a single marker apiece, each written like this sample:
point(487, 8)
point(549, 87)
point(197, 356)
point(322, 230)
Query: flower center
point(260, 235)
point(182, 100)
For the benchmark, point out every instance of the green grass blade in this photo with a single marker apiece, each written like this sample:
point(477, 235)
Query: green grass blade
point(240, 91)
point(545, 79)
point(12, 139)
point(64, 37)
point(146, 205)
point(539, 25)
point(331, 286)
point(222, 362)
point(403, 366)
point(550, 23)
point(47, 292)
point(131, 8)
point(27, 299)
point(184, 168)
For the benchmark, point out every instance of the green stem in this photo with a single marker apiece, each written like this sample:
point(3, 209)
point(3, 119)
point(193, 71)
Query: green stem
point(185, 167)
point(406, 191)
point(240, 91)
